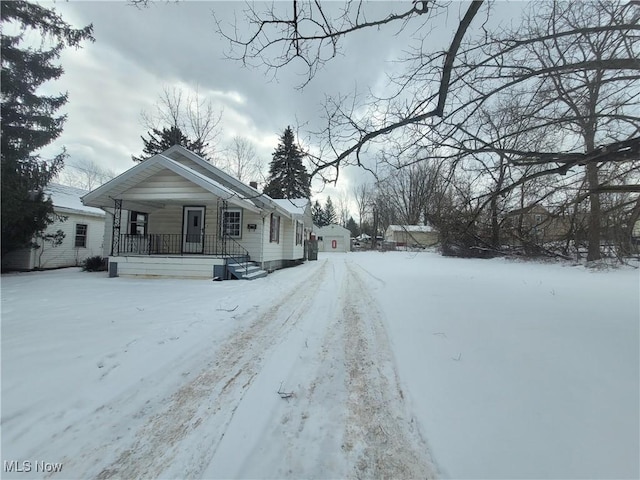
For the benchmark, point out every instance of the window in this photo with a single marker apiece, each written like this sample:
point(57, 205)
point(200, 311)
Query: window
point(138, 223)
point(299, 233)
point(81, 235)
point(232, 222)
point(274, 232)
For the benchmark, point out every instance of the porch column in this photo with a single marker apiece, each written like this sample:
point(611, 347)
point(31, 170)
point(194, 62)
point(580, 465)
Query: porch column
point(115, 231)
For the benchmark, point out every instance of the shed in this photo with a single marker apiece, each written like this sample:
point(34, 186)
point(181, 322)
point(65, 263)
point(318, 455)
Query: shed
point(83, 229)
point(333, 238)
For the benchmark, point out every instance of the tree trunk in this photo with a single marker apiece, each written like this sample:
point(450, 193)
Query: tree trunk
point(595, 214)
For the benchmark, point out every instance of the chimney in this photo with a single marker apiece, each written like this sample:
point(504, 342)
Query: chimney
point(253, 185)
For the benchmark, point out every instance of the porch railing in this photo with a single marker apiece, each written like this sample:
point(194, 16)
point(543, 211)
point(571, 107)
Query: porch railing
point(179, 244)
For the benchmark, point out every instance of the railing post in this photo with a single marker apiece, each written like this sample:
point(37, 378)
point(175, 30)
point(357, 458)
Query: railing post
point(115, 231)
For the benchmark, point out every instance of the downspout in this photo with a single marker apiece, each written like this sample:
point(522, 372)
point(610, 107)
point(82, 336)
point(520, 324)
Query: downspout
point(262, 245)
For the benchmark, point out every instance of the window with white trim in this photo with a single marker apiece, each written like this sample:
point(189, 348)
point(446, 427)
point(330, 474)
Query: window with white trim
point(232, 222)
point(81, 235)
point(274, 231)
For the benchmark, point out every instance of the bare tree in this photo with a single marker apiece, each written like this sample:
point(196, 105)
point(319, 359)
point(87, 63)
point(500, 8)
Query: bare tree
point(190, 113)
point(85, 174)
point(407, 191)
point(241, 160)
point(310, 32)
point(574, 66)
point(364, 197)
point(342, 208)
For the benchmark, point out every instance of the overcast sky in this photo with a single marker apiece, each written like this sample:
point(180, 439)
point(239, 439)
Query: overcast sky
point(138, 52)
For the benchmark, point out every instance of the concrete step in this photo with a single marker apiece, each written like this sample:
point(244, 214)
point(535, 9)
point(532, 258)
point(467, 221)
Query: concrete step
point(256, 274)
point(248, 271)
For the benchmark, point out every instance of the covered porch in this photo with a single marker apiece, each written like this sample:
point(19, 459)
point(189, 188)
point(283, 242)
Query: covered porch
point(167, 219)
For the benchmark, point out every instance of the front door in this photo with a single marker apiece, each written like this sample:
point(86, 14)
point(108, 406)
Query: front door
point(193, 230)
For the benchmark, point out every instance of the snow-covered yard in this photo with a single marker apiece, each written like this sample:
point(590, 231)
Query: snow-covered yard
point(390, 364)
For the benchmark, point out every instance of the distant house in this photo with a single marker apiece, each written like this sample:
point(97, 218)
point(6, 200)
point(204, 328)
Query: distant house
point(537, 223)
point(333, 238)
point(83, 229)
point(411, 235)
point(177, 215)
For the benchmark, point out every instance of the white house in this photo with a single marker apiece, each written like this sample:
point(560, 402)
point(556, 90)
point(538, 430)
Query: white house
point(177, 215)
point(333, 238)
point(83, 229)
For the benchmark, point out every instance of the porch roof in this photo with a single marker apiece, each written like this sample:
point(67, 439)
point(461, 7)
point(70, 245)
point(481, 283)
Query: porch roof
point(105, 195)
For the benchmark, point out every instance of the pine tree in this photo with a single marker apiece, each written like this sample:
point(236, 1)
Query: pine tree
point(352, 226)
point(288, 177)
point(317, 214)
point(28, 118)
point(161, 140)
point(330, 215)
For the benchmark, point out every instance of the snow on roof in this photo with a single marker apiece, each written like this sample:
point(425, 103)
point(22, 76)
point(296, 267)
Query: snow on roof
point(331, 229)
point(68, 198)
point(294, 206)
point(411, 228)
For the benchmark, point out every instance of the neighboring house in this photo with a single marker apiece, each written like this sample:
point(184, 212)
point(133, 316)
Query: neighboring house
point(177, 215)
point(411, 235)
point(536, 223)
point(83, 229)
point(333, 238)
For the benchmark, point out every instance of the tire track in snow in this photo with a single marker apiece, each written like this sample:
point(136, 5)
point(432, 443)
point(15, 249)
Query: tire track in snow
point(200, 411)
point(380, 440)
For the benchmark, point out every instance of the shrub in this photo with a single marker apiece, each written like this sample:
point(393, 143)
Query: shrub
point(95, 264)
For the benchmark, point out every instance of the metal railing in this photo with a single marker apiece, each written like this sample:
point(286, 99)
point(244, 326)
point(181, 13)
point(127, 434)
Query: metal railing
point(180, 244)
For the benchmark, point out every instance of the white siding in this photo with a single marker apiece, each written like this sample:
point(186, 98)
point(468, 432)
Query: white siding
point(179, 267)
point(290, 250)
point(333, 233)
point(252, 239)
point(163, 185)
point(272, 250)
point(167, 220)
point(66, 254)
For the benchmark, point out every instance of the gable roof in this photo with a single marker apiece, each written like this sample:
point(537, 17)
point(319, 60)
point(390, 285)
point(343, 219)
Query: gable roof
point(195, 169)
point(332, 228)
point(67, 200)
point(103, 196)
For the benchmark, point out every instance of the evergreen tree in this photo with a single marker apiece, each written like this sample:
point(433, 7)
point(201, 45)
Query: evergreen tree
point(29, 120)
point(317, 213)
point(160, 140)
point(352, 226)
point(330, 215)
point(288, 177)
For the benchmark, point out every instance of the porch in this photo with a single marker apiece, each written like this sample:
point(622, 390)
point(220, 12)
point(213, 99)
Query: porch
point(181, 256)
point(125, 244)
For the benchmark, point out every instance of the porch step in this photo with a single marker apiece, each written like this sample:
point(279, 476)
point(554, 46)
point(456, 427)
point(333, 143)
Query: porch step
point(248, 271)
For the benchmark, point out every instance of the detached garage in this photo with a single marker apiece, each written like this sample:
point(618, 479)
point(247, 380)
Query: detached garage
point(333, 238)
